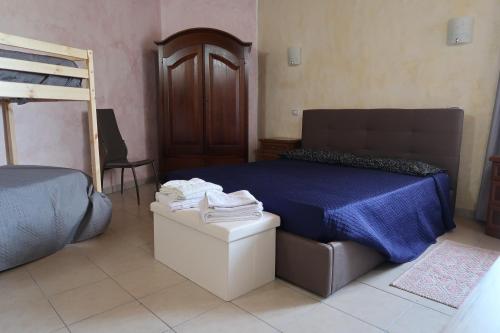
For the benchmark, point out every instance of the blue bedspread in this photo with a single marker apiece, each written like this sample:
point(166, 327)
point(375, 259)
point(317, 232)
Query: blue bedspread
point(398, 215)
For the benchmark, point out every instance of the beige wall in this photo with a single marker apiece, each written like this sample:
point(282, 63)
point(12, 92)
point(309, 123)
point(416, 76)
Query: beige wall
point(381, 53)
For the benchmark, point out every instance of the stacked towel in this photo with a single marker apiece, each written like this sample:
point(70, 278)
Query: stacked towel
point(185, 194)
point(189, 189)
point(171, 201)
point(237, 206)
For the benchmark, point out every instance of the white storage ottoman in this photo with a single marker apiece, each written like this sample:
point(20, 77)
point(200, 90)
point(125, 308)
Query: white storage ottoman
point(228, 259)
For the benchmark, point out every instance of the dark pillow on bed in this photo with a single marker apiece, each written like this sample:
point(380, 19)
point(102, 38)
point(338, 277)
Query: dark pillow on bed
point(396, 165)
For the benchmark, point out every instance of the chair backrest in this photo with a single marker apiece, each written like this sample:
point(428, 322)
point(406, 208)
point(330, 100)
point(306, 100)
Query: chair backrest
point(109, 136)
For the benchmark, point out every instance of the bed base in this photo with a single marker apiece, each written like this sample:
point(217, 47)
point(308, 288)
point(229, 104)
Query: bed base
point(322, 268)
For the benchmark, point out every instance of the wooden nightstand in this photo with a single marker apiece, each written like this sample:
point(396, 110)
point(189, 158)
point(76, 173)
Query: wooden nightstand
point(271, 148)
point(493, 222)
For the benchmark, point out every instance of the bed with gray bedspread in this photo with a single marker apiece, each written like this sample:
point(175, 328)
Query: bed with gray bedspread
point(44, 208)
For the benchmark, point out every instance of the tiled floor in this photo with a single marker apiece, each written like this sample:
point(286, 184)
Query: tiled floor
point(113, 284)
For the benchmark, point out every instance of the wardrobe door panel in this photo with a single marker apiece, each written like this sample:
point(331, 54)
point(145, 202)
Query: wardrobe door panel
point(183, 96)
point(225, 100)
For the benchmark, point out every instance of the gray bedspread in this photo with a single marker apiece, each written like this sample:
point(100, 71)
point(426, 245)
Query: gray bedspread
point(26, 77)
point(44, 208)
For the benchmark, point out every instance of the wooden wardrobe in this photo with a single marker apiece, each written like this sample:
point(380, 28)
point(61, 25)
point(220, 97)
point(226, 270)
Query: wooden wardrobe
point(203, 99)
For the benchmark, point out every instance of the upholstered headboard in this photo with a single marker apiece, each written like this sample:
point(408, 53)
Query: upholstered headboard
point(428, 135)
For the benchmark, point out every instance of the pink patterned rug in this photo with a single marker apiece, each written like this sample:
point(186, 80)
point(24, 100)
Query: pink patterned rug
point(448, 273)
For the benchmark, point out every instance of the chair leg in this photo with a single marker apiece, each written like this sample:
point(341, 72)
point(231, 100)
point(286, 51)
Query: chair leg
point(157, 181)
point(102, 179)
point(121, 186)
point(136, 187)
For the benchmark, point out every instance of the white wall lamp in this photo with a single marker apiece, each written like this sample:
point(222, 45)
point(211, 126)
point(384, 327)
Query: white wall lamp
point(460, 30)
point(294, 56)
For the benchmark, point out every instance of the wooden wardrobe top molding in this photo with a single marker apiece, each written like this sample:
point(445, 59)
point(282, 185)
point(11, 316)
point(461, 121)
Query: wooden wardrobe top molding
point(204, 36)
point(195, 31)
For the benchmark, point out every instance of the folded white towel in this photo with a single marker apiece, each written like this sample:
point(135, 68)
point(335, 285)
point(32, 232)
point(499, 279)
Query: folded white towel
point(237, 206)
point(189, 189)
point(174, 204)
point(236, 199)
point(217, 218)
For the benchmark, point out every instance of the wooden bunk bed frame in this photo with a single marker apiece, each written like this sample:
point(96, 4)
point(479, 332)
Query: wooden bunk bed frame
point(38, 92)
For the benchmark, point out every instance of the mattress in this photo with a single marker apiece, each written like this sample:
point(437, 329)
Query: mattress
point(398, 215)
point(36, 78)
point(44, 208)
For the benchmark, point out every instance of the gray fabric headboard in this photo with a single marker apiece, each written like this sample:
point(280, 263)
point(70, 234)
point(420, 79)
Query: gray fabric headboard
point(429, 135)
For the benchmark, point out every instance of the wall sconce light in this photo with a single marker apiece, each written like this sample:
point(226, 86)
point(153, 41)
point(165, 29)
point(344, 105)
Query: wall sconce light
point(460, 30)
point(294, 57)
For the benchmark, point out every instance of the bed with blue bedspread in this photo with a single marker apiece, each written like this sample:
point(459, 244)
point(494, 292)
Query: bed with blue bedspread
point(340, 221)
point(399, 215)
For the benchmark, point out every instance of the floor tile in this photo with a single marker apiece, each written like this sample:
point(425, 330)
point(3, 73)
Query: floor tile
point(421, 300)
point(123, 259)
point(225, 318)
point(369, 304)
point(61, 330)
point(299, 289)
point(138, 236)
point(419, 319)
point(150, 248)
point(385, 274)
point(131, 317)
point(144, 209)
point(276, 304)
point(64, 270)
point(467, 232)
point(83, 302)
point(148, 279)
point(17, 286)
point(109, 243)
point(64, 256)
point(469, 223)
point(122, 219)
point(322, 318)
point(36, 316)
point(382, 276)
point(181, 302)
point(489, 243)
